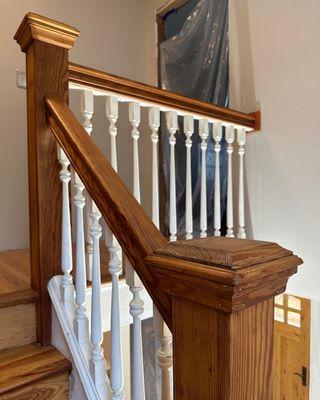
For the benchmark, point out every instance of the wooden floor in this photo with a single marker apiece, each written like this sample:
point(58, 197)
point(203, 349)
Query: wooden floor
point(15, 270)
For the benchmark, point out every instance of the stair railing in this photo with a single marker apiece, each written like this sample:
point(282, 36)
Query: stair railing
point(214, 294)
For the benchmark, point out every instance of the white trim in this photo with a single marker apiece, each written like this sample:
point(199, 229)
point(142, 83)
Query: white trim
point(67, 328)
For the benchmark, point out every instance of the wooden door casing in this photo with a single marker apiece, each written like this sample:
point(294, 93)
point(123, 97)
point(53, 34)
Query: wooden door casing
point(291, 347)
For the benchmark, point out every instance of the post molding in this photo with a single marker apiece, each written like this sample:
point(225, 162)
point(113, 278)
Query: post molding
point(219, 295)
point(36, 27)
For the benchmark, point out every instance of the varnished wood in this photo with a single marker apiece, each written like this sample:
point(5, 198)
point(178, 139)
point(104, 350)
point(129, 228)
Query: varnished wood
point(130, 224)
point(169, 6)
point(52, 388)
point(18, 325)
point(90, 77)
point(15, 273)
point(37, 27)
point(19, 297)
point(46, 43)
point(219, 356)
point(27, 365)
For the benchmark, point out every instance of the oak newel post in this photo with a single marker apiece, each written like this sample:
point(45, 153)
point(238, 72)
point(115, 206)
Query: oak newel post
point(221, 292)
point(46, 44)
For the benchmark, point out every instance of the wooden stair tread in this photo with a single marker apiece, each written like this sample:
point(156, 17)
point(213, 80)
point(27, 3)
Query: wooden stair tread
point(15, 272)
point(29, 364)
point(18, 297)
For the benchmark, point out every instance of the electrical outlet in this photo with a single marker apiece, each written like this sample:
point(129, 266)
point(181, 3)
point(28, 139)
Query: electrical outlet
point(21, 79)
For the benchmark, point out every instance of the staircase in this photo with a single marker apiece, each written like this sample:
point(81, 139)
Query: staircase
point(211, 298)
point(27, 370)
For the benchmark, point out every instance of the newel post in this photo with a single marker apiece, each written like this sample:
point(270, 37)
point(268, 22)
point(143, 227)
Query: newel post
point(221, 292)
point(46, 44)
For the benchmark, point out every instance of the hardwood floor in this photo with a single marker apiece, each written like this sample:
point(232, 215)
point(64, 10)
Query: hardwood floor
point(15, 281)
point(14, 271)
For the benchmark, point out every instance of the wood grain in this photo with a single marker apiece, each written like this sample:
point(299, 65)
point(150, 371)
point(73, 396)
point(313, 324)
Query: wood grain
point(27, 365)
point(52, 388)
point(18, 325)
point(46, 42)
point(219, 356)
point(93, 78)
point(15, 273)
point(136, 233)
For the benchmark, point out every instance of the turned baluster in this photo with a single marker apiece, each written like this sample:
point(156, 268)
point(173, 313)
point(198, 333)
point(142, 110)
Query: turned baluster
point(87, 113)
point(97, 362)
point(172, 124)
point(134, 118)
point(66, 240)
point(115, 267)
point(81, 323)
point(241, 137)
point(230, 140)
point(203, 131)
point(217, 136)
point(154, 122)
point(188, 130)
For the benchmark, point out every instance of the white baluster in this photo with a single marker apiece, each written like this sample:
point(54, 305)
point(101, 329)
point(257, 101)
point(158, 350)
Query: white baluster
point(115, 267)
point(66, 240)
point(188, 125)
point(81, 323)
point(241, 136)
point(164, 356)
point(154, 122)
point(134, 118)
point(87, 112)
point(136, 309)
point(98, 363)
point(230, 139)
point(217, 136)
point(172, 124)
point(203, 131)
point(112, 115)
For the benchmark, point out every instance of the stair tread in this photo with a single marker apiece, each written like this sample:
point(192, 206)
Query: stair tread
point(28, 364)
point(18, 297)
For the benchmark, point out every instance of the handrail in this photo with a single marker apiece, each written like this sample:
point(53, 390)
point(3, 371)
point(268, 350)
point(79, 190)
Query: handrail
point(93, 78)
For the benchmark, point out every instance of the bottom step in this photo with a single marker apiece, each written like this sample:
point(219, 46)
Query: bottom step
point(34, 372)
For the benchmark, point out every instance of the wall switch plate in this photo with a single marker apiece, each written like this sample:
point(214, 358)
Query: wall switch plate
point(21, 79)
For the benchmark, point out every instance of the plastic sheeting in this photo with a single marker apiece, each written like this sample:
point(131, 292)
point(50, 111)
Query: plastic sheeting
point(194, 62)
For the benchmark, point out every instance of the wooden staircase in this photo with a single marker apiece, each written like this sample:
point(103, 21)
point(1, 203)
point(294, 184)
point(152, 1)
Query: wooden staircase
point(27, 370)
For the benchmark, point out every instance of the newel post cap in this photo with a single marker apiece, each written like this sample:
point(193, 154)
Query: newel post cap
point(223, 273)
point(36, 27)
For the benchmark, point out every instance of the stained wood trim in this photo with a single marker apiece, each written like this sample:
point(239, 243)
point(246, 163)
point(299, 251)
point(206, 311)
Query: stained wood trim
point(19, 297)
point(169, 6)
point(46, 43)
point(36, 27)
point(96, 79)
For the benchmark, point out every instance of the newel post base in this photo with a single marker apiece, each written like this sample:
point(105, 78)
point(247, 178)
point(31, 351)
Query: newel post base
point(222, 356)
point(46, 43)
point(221, 293)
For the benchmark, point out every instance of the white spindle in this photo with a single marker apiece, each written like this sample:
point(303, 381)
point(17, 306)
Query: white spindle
point(134, 118)
point(112, 115)
point(87, 112)
point(203, 131)
point(81, 323)
point(217, 136)
point(136, 309)
point(164, 355)
point(115, 267)
point(230, 140)
point(154, 122)
point(241, 136)
point(172, 124)
point(188, 125)
point(116, 366)
point(66, 240)
point(98, 363)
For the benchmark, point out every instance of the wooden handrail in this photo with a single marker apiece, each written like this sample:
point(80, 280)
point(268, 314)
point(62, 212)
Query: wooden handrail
point(216, 294)
point(93, 78)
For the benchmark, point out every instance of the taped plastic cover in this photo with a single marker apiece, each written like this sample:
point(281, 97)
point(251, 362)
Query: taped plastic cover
point(195, 63)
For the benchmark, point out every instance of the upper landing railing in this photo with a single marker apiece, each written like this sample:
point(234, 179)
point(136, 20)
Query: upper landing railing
point(214, 294)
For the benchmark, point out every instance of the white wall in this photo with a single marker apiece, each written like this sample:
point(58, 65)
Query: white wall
point(275, 62)
point(112, 39)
